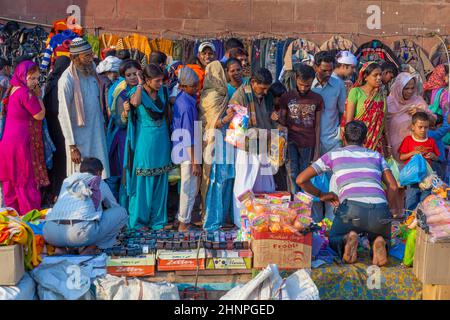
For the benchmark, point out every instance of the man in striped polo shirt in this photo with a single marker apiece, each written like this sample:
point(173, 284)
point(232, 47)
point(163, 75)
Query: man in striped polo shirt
point(362, 202)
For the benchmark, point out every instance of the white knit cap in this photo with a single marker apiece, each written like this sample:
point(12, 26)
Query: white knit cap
point(346, 57)
point(110, 64)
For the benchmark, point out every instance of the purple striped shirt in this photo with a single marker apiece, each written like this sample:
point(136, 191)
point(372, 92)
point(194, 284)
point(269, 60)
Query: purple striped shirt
point(357, 171)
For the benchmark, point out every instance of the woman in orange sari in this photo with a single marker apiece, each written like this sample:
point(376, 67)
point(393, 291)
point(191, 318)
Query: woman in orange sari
point(365, 102)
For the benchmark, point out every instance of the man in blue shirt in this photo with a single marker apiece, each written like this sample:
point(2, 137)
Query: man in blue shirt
point(334, 94)
point(184, 117)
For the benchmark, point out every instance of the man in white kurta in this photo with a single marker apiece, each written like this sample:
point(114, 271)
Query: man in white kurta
point(88, 138)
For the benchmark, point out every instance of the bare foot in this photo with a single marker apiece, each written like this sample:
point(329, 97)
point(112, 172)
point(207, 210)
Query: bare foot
point(379, 252)
point(351, 247)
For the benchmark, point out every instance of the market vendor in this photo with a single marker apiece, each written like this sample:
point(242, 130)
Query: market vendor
point(362, 201)
point(86, 215)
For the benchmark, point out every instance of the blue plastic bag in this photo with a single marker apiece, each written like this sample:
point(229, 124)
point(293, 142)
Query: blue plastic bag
point(322, 183)
point(414, 172)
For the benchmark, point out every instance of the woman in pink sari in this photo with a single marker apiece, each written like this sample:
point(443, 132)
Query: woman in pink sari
point(22, 162)
point(403, 102)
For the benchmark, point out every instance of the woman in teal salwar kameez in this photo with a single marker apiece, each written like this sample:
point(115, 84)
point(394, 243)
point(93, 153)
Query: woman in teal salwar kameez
point(147, 151)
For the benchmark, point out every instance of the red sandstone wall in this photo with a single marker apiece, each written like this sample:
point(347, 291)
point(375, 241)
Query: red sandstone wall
point(245, 17)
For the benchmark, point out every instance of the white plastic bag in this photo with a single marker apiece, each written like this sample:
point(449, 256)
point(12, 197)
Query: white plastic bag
point(268, 285)
point(24, 290)
point(62, 281)
point(120, 288)
point(96, 264)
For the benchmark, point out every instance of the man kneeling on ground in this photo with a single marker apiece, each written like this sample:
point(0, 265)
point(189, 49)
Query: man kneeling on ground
point(361, 204)
point(86, 214)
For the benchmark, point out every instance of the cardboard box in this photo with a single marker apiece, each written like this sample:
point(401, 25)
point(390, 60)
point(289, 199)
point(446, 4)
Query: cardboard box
point(287, 251)
point(431, 260)
point(140, 266)
point(228, 259)
point(180, 260)
point(435, 292)
point(12, 267)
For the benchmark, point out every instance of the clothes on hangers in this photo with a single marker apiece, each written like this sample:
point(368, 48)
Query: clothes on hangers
point(248, 46)
point(297, 51)
point(338, 42)
point(408, 52)
point(256, 54)
point(188, 51)
point(60, 26)
point(137, 42)
point(108, 41)
point(94, 42)
point(162, 45)
point(177, 50)
point(279, 57)
point(263, 47)
point(438, 55)
point(271, 57)
point(59, 51)
point(286, 46)
point(56, 41)
point(376, 50)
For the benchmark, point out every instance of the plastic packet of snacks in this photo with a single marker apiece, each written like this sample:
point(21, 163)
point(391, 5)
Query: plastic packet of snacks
point(277, 155)
point(238, 127)
point(305, 198)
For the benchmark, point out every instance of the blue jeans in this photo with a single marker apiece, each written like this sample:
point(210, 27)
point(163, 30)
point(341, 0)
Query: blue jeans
point(361, 218)
point(298, 159)
point(414, 196)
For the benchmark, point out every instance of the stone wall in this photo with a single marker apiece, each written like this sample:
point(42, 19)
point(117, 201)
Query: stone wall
point(317, 19)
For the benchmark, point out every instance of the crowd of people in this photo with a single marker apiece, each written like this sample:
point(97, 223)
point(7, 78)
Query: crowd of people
point(121, 129)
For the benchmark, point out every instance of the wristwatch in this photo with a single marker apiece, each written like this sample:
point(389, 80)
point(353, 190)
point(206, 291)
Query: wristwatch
point(73, 148)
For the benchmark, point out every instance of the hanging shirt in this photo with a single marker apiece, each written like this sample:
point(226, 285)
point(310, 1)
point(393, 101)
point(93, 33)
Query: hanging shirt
point(55, 41)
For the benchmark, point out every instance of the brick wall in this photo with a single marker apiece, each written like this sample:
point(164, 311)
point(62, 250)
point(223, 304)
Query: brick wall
point(175, 18)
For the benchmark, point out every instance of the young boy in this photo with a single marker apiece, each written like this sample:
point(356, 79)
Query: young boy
point(300, 113)
point(86, 214)
point(418, 143)
point(184, 116)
